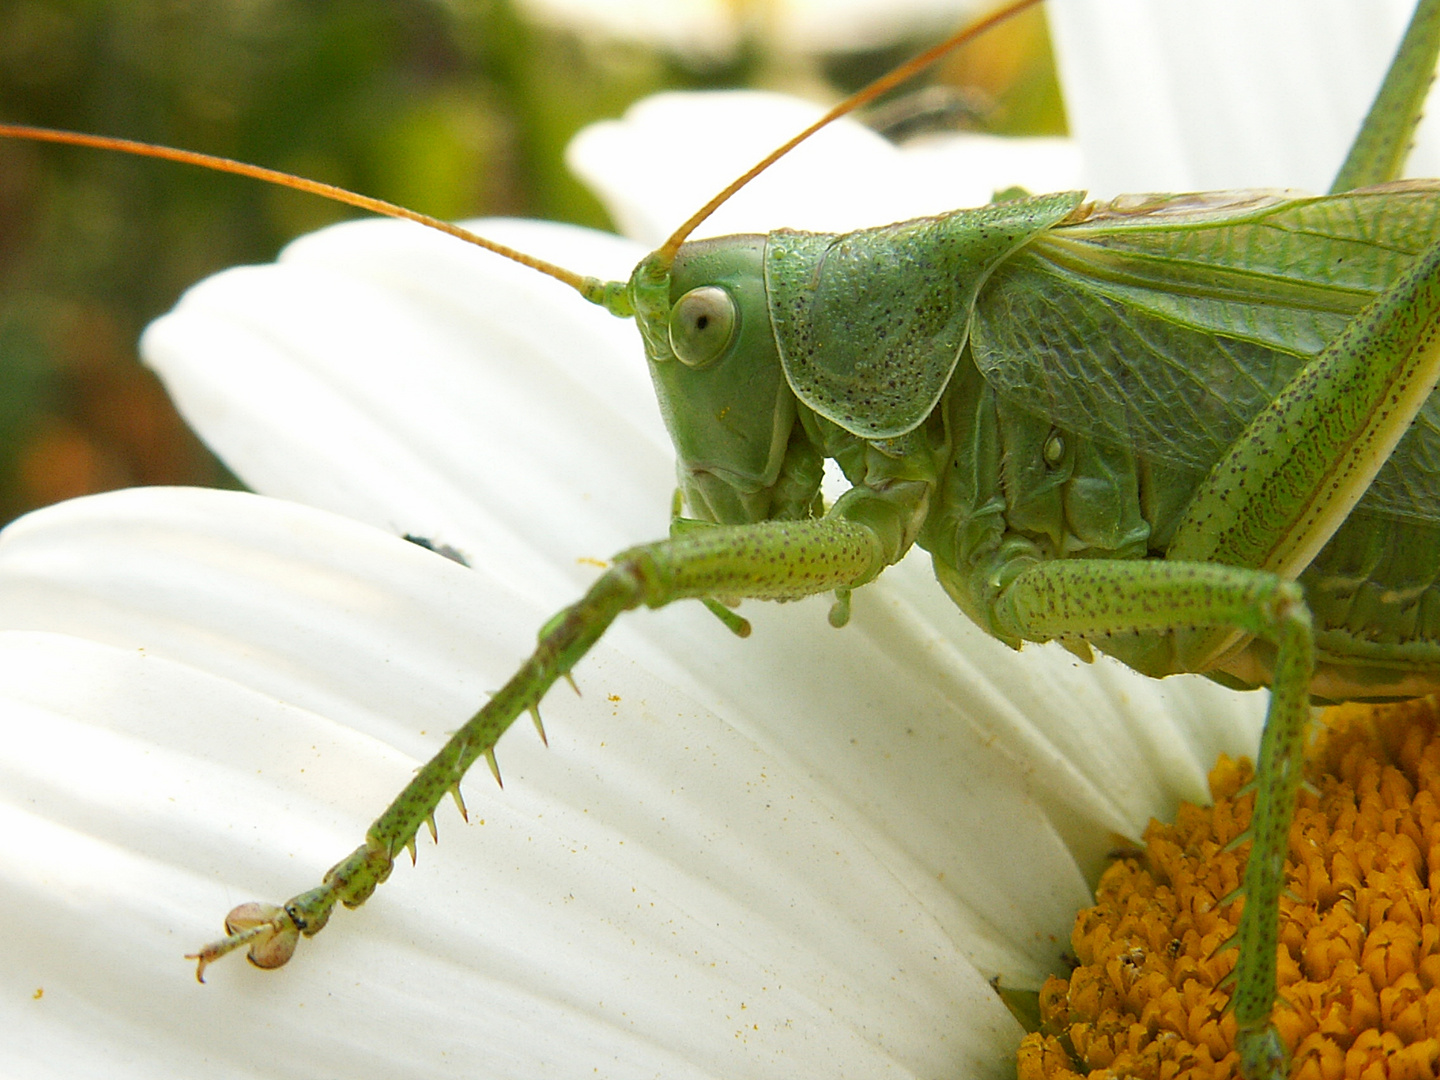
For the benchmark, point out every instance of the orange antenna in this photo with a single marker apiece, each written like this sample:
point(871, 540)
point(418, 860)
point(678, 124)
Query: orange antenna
point(666, 254)
point(592, 289)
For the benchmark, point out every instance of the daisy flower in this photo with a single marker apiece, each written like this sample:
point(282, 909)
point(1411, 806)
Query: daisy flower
point(808, 853)
point(714, 30)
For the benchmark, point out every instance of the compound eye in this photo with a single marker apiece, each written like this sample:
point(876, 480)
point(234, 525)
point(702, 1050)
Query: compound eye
point(702, 322)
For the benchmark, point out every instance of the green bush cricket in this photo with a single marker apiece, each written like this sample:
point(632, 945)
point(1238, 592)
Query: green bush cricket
point(955, 455)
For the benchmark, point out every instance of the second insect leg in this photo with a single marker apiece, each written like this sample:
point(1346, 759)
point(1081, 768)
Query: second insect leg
point(1091, 598)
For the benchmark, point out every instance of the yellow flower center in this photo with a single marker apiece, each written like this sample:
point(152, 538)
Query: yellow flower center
point(1359, 965)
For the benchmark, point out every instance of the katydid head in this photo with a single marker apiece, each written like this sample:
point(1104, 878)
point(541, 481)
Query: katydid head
point(703, 312)
point(717, 375)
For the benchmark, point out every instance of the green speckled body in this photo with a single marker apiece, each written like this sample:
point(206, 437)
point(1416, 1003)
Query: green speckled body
point(1101, 361)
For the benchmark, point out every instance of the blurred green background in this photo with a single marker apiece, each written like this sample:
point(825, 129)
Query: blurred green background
point(453, 107)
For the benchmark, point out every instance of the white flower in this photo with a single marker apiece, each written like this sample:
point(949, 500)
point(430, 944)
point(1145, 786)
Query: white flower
point(803, 854)
point(713, 30)
point(1177, 96)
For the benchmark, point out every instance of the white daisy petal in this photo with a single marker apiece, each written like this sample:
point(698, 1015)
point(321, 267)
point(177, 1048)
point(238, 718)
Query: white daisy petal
point(703, 29)
point(655, 886)
point(713, 30)
point(840, 25)
point(356, 375)
point(1211, 95)
point(844, 177)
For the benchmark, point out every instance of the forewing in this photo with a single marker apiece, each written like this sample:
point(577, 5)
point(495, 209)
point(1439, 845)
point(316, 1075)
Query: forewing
point(1164, 324)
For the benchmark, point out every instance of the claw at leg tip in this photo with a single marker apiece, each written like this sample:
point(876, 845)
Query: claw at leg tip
point(201, 963)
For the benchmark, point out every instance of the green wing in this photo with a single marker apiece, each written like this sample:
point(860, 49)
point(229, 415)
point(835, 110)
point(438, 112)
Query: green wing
point(1163, 324)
